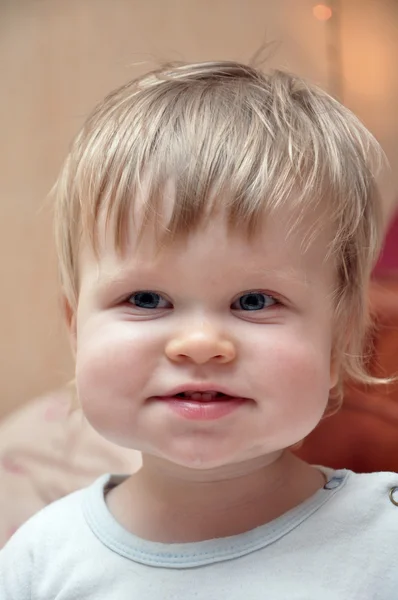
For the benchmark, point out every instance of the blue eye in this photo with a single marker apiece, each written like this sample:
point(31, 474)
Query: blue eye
point(254, 301)
point(148, 300)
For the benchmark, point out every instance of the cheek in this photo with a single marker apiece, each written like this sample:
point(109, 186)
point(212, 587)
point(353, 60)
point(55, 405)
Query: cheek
point(296, 368)
point(112, 348)
point(294, 379)
point(301, 365)
point(113, 367)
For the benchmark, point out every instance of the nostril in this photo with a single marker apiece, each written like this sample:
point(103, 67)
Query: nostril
point(222, 358)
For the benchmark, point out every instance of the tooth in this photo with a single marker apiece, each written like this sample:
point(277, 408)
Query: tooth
point(205, 396)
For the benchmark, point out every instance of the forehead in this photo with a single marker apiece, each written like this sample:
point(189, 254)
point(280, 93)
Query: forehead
point(299, 252)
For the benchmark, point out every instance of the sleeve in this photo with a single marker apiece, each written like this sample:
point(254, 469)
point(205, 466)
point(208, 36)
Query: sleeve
point(16, 568)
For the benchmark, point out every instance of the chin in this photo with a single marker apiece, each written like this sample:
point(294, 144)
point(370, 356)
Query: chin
point(197, 462)
point(199, 458)
point(196, 457)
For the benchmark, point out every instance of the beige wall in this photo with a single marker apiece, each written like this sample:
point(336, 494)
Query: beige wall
point(369, 39)
point(58, 58)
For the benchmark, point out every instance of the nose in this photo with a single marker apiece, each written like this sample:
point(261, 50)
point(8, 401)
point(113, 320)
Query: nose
point(200, 347)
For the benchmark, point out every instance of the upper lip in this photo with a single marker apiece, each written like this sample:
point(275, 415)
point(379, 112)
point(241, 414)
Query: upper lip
point(201, 387)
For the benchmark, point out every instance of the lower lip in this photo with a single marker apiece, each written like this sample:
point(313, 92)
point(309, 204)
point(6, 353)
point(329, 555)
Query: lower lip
point(203, 411)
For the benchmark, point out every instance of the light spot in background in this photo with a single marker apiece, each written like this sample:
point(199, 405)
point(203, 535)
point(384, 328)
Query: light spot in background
point(322, 12)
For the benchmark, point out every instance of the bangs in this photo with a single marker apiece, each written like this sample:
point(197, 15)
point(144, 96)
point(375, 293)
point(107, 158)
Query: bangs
point(247, 145)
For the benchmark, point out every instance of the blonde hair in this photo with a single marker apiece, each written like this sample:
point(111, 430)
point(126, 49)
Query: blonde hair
point(261, 141)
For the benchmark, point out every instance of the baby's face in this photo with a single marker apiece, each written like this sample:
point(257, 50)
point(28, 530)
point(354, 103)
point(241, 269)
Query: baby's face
point(251, 320)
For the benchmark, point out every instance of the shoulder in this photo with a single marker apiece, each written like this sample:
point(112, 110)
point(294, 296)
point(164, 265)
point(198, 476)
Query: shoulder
point(368, 502)
point(51, 546)
point(56, 519)
point(23, 557)
point(378, 486)
point(373, 526)
point(55, 531)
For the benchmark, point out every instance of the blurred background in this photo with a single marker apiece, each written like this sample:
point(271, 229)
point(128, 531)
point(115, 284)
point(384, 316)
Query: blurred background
point(59, 57)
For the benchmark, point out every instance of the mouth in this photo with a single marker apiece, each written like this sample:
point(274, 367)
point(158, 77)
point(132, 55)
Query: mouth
point(203, 404)
point(202, 392)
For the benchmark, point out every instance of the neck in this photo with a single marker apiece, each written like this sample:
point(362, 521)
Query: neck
point(168, 504)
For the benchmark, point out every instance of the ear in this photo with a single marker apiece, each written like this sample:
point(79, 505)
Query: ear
point(339, 347)
point(334, 371)
point(70, 320)
point(336, 359)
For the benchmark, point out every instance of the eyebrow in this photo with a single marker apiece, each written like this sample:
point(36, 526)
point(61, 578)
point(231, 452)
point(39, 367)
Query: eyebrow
point(284, 275)
point(124, 275)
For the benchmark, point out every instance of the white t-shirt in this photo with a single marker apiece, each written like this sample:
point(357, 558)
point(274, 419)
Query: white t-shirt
point(340, 544)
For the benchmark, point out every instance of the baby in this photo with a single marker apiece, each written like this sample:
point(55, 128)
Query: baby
point(216, 230)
